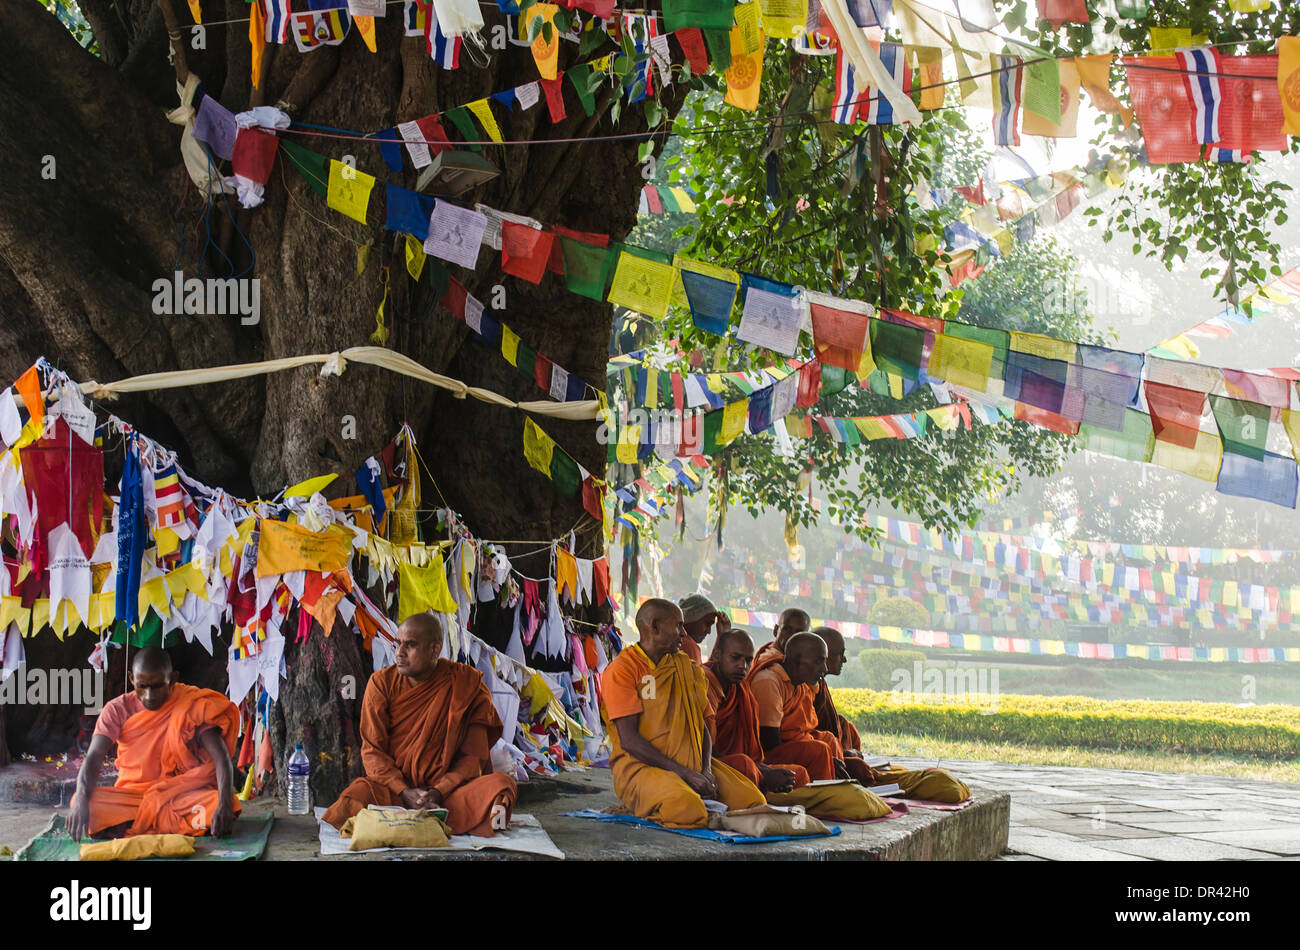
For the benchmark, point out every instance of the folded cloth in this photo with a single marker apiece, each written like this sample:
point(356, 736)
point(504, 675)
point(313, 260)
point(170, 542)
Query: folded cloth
point(765, 821)
point(138, 846)
point(395, 828)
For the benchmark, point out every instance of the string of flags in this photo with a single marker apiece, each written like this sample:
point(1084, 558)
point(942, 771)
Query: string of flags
point(169, 556)
point(938, 639)
point(1283, 290)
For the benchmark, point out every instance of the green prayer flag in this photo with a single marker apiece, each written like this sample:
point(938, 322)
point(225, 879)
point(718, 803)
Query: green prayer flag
point(897, 348)
point(565, 474)
point(1135, 442)
point(705, 14)
point(587, 268)
point(526, 360)
point(711, 430)
point(1043, 89)
point(465, 125)
point(439, 276)
point(719, 42)
point(313, 166)
point(1243, 426)
point(834, 379)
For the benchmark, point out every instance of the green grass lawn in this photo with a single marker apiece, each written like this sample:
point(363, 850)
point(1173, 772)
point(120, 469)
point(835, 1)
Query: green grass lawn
point(941, 749)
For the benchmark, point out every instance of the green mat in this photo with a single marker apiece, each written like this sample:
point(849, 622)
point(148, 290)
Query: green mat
point(246, 842)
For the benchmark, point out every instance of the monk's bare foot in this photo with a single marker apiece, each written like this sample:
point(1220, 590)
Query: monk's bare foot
point(500, 816)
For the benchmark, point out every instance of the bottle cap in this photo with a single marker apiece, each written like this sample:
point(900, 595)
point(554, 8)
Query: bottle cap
point(297, 747)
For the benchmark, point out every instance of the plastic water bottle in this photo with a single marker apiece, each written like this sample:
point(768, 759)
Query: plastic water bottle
point(299, 782)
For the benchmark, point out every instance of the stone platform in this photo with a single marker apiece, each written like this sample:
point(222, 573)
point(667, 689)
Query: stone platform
point(978, 832)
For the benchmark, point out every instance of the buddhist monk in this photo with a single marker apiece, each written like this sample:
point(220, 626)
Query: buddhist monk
point(783, 686)
point(655, 704)
point(698, 616)
point(735, 716)
point(792, 621)
point(427, 729)
point(174, 745)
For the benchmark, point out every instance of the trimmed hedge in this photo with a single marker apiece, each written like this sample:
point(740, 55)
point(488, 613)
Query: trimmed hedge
point(879, 665)
point(1271, 732)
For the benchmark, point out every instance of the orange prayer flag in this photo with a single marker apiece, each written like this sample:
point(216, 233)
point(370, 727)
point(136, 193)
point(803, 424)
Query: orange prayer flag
point(1288, 82)
point(546, 54)
point(256, 40)
point(196, 11)
point(28, 386)
point(1094, 74)
point(744, 73)
point(284, 547)
point(366, 27)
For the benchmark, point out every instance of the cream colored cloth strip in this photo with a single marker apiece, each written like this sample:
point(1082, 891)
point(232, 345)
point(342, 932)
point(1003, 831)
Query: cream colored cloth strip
point(335, 365)
point(867, 63)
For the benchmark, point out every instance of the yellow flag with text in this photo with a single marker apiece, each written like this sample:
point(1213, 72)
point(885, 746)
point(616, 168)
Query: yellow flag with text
point(1288, 82)
point(349, 190)
point(642, 285)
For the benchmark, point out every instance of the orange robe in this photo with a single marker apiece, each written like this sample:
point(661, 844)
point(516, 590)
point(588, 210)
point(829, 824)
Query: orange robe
point(436, 734)
point(166, 781)
point(735, 733)
point(800, 740)
point(672, 701)
point(692, 649)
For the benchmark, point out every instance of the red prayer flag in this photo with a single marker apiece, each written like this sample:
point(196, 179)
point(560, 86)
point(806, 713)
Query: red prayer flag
point(454, 299)
point(254, 155)
point(554, 96)
point(810, 384)
point(1250, 117)
point(1175, 413)
point(837, 327)
point(1057, 12)
point(525, 251)
point(601, 8)
point(591, 499)
point(1046, 419)
point(692, 43)
point(1164, 110)
point(434, 134)
point(542, 372)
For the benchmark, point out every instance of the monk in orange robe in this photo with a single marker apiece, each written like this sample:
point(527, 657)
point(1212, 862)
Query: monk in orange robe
point(174, 745)
point(655, 707)
point(792, 621)
point(427, 730)
point(735, 736)
point(698, 617)
point(828, 717)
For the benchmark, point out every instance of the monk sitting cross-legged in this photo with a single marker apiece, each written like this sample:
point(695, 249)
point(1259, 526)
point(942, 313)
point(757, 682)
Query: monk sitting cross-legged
point(655, 706)
point(735, 735)
point(174, 744)
point(427, 729)
point(937, 785)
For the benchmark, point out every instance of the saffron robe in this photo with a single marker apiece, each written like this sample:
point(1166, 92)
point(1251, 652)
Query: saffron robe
point(436, 734)
point(691, 649)
point(798, 720)
point(735, 732)
point(672, 700)
point(166, 780)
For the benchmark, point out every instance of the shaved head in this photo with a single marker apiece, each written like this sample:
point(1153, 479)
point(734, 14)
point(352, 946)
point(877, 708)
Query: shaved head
point(659, 623)
point(652, 610)
point(151, 660)
point(739, 634)
point(418, 645)
point(732, 656)
point(426, 625)
point(792, 621)
point(834, 649)
point(805, 658)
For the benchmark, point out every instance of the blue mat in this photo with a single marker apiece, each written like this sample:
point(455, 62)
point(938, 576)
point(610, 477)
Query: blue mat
point(708, 834)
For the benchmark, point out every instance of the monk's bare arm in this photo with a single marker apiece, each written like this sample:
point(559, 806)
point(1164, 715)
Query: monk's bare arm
point(87, 779)
point(376, 758)
point(769, 736)
point(638, 746)
point(706, 752)
point(225, 816)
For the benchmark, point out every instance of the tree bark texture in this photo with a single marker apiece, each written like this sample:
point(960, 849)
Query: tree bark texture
point(79, 254)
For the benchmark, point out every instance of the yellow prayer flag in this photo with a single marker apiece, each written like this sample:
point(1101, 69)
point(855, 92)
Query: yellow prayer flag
point(1250, 6)
point(745, 74)
point(1291, 423)
point(652, 389)
point(963, 362)
point(782, 18)
point(733, 421)
point(945, 417)
point(510, 345)
point(629, 441)
point(1047, 347)
point(284, 547)
point(872, 428)
point(684, 202)
point(642, 285)
point(153, 593)
point(1094, 76)
point(539, 447)
point(349, 190)
point(929, 75)
point(483, 112)
point(423, 588)
point(365, 26)
point(196, 11)
point(305, 489)
point(1181, 346)
point(544, 54)
point(1288, 82)
point(167, 541)
point(415, 256)
point(1166, 39)
point(1201, 461)
point(895, 385)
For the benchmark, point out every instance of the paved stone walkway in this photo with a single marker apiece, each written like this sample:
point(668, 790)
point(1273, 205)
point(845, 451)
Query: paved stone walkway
point(1073, 814)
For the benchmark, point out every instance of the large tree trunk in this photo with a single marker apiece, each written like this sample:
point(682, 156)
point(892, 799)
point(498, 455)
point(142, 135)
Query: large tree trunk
point(80, 253)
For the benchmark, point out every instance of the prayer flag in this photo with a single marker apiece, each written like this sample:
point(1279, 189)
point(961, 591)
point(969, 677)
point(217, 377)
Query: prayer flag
point(1251, 116)
point(710, 293)
point(1164, 111)
point(963, 362)
point(745, 73)
point(1094, 75)
point(315, 28)
point(545, 54)
point(483, 112)
point(455, 233)
point(706, 14)
point(840, 330)
point(1060, 12)
point(877, 109)
point(1243, 426)
point(1288, 81)
point(1200, 459)
point(254, 155)
point(1060, 121)
point(277, 21)
point(1008, 82)
point(1271, 478)
point(849, 93)
point(525, 250)
point(407, 212)
point(772, 316)
point(256, 41)
point(349, 190)
point(1202, 66)
point(538, 447)
point(1175, 413)
point(641, 284)
point(423, 588)
point(929, 85)
point(586, 267)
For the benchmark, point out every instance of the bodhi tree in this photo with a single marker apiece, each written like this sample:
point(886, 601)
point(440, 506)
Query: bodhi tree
point(99, 206)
